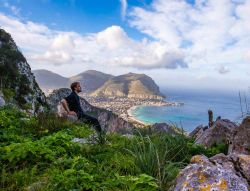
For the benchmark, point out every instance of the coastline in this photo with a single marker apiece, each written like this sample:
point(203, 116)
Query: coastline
point(124, 106)
point(134, 119)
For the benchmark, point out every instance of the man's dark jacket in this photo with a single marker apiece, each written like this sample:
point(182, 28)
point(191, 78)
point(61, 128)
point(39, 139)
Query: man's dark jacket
point(73, 101)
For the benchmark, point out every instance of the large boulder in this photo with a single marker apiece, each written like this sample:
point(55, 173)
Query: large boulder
point(240, 139)
point(57, 95)
point(109, 121)
point(113, 123)
point(219, 173)
point(197, 132)
point(165, 128)
point(220, 132)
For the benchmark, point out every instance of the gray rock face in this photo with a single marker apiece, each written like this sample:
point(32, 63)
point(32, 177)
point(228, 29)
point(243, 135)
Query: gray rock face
point(109, 121)
point(56, 96)
point(17, 79)
point(113, 123)
point(240, 139)
point(220, 172)
point(217, 173)
point(36, 97)
point(2, 101)
point(220, 132)
point(164, 128)
point(197, 132)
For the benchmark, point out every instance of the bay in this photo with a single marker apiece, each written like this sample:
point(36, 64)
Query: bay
point(195, 109)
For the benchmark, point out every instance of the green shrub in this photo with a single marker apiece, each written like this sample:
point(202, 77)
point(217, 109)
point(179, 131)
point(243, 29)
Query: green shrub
point(8, 94)
point(195, 149)
point(18, 179)
point(160, 156)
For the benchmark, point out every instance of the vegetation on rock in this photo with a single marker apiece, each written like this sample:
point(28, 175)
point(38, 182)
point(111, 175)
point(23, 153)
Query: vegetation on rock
point(37, 153)
point(14, 83)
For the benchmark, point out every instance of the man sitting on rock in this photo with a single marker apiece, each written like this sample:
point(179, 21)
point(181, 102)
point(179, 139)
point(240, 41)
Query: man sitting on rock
point(73, 107)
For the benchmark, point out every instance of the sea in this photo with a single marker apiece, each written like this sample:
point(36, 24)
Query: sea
point(194, 112)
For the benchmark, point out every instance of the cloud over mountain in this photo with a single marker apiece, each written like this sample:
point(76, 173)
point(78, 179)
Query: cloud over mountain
point(110, 46)
point(176, 37)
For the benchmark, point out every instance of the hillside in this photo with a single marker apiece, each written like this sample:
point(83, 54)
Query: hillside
point(91, 79)
point(46, 152)
point(97, 83)
point(50, 80)
point(130, 85)
point(17, 83)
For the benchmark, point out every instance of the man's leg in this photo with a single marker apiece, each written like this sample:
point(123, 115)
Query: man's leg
point(92, 120)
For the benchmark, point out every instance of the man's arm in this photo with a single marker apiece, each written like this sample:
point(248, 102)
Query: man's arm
point(65, 106)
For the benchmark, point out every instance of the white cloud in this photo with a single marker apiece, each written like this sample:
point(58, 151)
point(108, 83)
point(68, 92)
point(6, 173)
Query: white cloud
point(124, 6)
point(199, 37)
point(44, 46)
point(150, 60)
point(223, 70)
point(113, 38)
point(54, 57)
point(247, 56)
point(63, 41)
point(208, 32)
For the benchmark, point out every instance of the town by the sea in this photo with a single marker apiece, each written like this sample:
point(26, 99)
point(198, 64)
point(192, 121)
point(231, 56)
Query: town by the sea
point(194, 112)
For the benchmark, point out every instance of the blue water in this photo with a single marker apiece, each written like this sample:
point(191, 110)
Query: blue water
point(195, 108)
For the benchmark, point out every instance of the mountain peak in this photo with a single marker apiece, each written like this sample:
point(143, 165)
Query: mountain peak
point(97, 83)
point(130, 85)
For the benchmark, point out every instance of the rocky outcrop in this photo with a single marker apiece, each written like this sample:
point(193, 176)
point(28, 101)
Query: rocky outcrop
point(113, 123)
point(197, 132)
point(164, 128)
point(227, 132)
point(220, 132)
point(130, 85)
point(222, 173)
point(240, 138)
point(57, 95)
point(18, 83)
point(2, 101)
point(109, 121)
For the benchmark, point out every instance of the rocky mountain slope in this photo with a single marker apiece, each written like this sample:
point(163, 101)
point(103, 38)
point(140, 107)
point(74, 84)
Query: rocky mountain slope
point(96, 84)
point(91, 79)
point(50, 80)
point(17, 83)
point(130, 85)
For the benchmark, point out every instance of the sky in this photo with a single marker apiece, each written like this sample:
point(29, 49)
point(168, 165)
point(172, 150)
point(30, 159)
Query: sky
point(198, 44)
